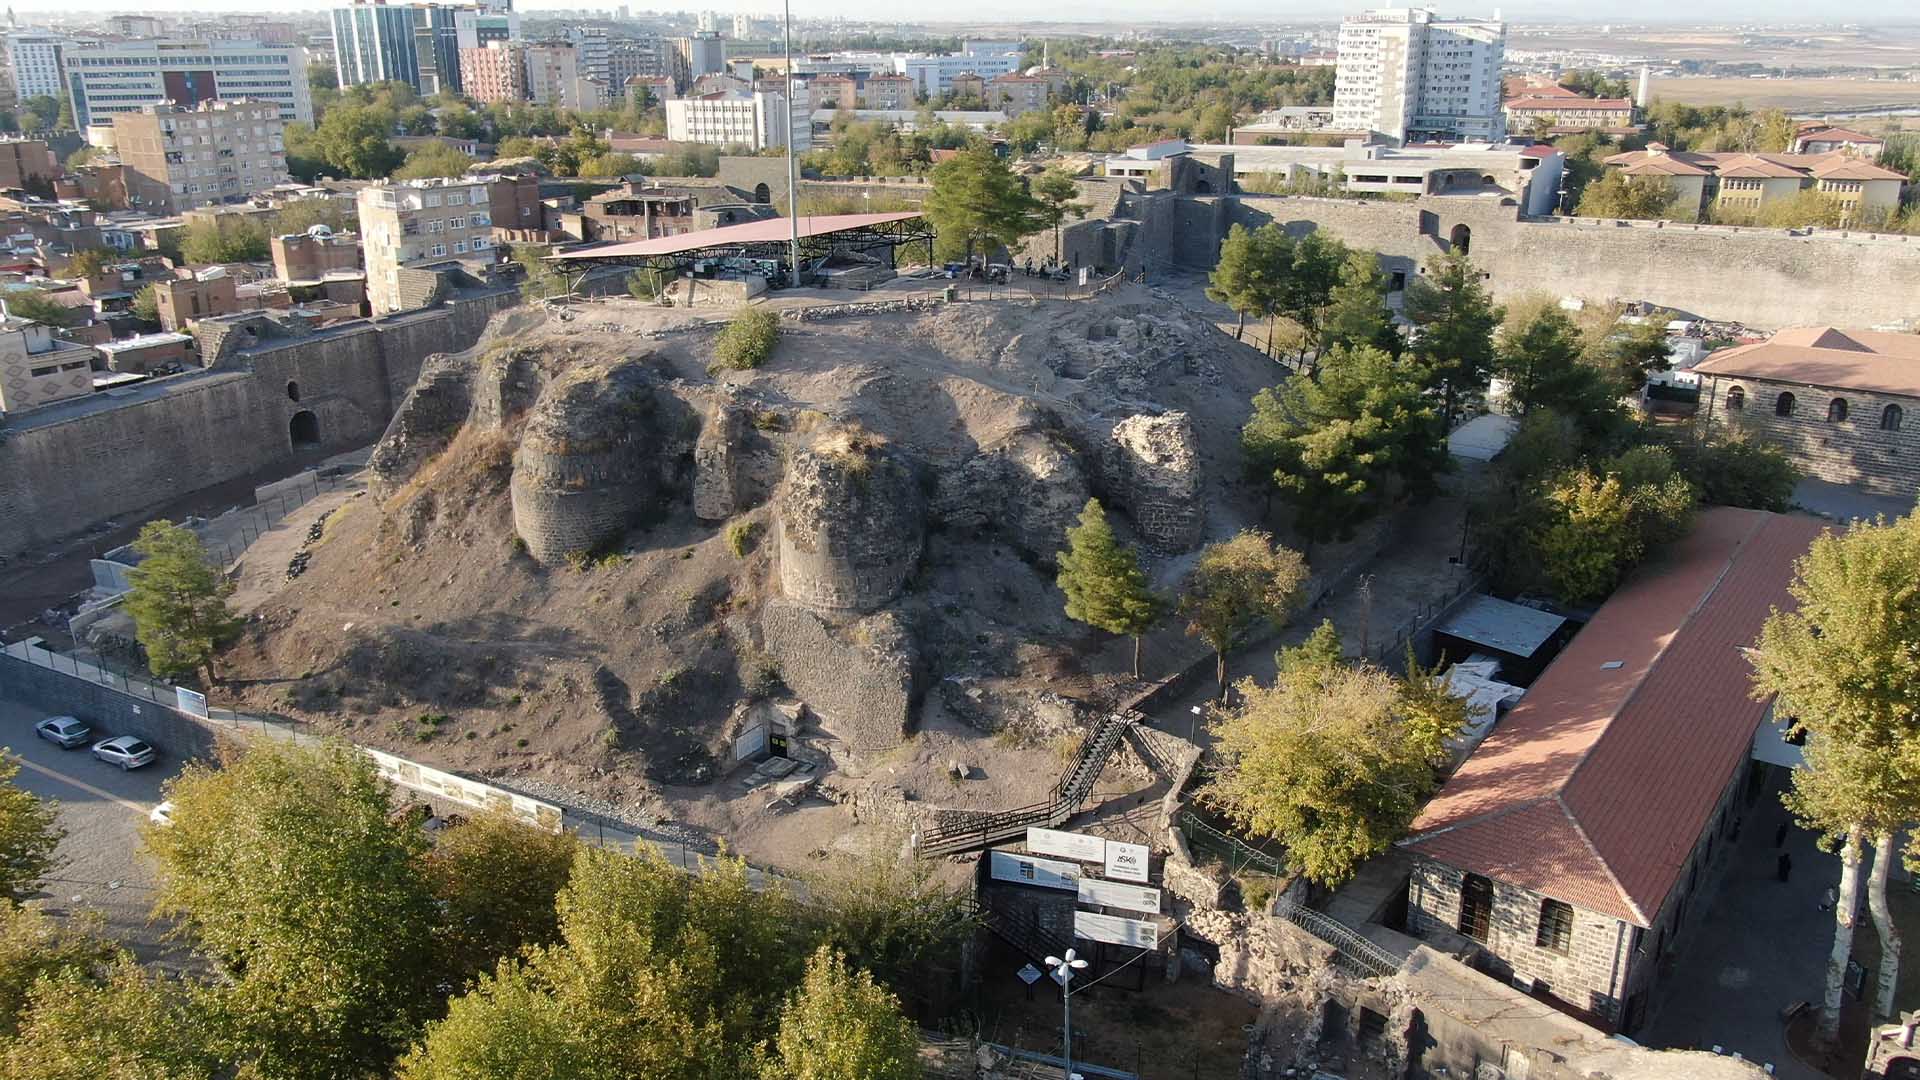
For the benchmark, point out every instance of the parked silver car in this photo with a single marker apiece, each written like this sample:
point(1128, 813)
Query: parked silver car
point(125, 751)
point(65, 731)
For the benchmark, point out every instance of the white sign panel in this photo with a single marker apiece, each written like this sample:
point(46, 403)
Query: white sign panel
point(1115, 930)
point(1114, 894)
point(190, 701)
point(1126, 862)
point(1067, 845)
point(1027, 870)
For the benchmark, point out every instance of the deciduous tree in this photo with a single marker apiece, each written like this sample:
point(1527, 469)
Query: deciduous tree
point(1103, 582)
point(1617, 195)
point(839, 1025)
point(495, 879)
point(29, 833)
point(1237, 584)
point(178, 601)
point(120, 1022)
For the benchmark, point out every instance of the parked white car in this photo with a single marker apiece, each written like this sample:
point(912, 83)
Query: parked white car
point(64, 731)
point(163, 814)
point(125, 751)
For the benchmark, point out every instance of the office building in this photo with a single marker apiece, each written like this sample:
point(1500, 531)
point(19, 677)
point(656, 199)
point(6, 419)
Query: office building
point(1411, 75)
point(419, 221)
point(376, 42)
point(110, 78)
point(474, 27)
point(34, 61)
point(436, 43)
point(933, 75)
point(497, 72)
point(756, 120)
point(175, 158)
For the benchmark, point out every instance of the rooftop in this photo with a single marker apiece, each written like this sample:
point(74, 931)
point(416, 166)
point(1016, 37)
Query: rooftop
point(142, 341)
point(1501, 625)
point(1595, 788)
point(1827, 356)
point(1837, 165)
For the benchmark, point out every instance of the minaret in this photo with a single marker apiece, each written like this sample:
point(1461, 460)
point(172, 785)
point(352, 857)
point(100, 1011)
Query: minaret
point(1646, 87)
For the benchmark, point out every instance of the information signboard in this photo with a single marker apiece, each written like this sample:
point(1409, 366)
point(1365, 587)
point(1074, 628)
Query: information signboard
point(1067, 845)
point(1115, 894)
point(1027, 870)
point(1114, 930)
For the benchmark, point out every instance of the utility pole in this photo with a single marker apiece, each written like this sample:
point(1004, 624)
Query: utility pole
point(1064, 969)
point(793, 171)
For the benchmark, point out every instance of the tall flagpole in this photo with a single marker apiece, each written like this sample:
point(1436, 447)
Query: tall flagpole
point(793, 171)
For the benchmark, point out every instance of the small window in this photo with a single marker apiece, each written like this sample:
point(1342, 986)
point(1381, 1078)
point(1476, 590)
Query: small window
point(1556, 926)
point(1890, 418)
point(1836, 410)
point(1783, 405)
point(1476, 907)
point(1737, 398)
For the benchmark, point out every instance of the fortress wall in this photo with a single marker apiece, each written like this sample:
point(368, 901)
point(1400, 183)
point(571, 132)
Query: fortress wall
point(58, 478)
point(1767, 278)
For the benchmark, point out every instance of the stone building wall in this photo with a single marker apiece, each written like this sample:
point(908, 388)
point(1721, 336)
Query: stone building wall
point(587, 467)
point(1856, 450)
point(1153, 468)
point(849, 526)
point(861, 681)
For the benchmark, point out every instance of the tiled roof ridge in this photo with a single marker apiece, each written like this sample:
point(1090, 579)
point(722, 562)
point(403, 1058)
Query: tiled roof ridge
point(1632, 904)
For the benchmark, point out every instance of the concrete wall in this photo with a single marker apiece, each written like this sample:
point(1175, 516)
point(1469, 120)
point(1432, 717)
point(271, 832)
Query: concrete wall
point(57, 478)
point(109, 711)
point(1856, 450)
point(1764, 277)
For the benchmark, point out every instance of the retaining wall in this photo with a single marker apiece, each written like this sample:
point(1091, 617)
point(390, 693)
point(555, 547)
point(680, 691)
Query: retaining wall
point(109, 711)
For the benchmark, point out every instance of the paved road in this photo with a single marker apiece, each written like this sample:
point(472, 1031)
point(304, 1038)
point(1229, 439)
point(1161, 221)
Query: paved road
point(102, 809)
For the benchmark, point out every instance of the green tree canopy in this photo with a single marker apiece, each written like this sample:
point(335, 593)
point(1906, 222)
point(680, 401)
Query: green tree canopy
point(1356, 312)
point(39, 306)
point(1243, 276)
point(119, 1022)
point(1541, 355)
point(1325, 762)
point(839, 1025)
point(1455, 318)
point(36, 946)
point(978, 205)
point(293, 873)
point(29, 833)
point(1237, 584)
point(90, 261)
point(353, 140)
point(228, 239)
point(1617, 195)
point(299, 215)
point(1591, 526)
point(495, 879)
point(178, 601)
point(432, 160)
point(1103, 582)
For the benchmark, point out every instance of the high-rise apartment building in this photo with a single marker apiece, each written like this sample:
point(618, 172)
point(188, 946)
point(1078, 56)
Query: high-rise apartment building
point(593, 55)
point(176, 158)
point(420, 221)
point(705, 53)
point(34, 62)
point(495, 72)
point(109, 78)
point(647, 56)
point(1407, 73)
point(554, 77)
point(376, 42)
point(436, 42)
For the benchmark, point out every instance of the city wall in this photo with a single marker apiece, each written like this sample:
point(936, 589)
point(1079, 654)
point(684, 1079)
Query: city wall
point(65, 471)
point(1767, 278)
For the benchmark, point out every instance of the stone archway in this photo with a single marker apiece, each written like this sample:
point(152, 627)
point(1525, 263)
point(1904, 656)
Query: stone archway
point(303, 430)
point(762, 194)
point(1461, 239)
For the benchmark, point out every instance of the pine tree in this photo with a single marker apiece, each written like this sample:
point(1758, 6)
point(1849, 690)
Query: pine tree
point(1103, 582)
point(178, 601)
point(1236, 276)
point(1357, 308)
point(1456, 318)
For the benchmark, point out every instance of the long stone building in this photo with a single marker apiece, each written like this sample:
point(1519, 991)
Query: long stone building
point(1568, 848)
point(1844, 404)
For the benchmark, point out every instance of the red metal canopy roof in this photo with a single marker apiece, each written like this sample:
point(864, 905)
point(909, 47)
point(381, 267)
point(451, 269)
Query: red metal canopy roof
point(764, 231)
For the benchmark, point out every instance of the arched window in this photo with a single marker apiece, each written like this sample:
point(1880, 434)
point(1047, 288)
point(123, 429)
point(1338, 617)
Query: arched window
point(761, 194)
point(1737, 398)
point(293, 390)
point(1460, 239)
point(1836, 410)
point(1783, 405)
point(1890, 418)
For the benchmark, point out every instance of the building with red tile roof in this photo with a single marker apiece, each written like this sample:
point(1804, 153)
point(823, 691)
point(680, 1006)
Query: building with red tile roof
point(1736, 183)
point(1569, 844)
point(1819, 138)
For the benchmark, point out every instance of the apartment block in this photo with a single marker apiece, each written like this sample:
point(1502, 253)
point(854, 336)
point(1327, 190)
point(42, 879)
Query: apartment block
point(593, 55)
point(554, 77)
point(37, 368)
point(646, 56)
point(495, 72)
point(34, 62)
point(376, 42)
point(184, 300)
point(315, 255)
point(756, 121)
point(701, 54)
point(1409, 74)
point(474, 27)
point(887, 92)
point(1016, 94)
point(436, 45)
point(419, 221)
point(175, 159)
point(109, 78)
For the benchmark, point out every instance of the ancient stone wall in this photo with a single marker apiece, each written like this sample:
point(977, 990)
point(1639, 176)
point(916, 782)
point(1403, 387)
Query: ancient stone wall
point(65, 469)
point(1027, 489)
point(850, 525)
point(1867, 447)
point(586, 469)
point(1152, 468)
point(862, 680)
point(1764, 277)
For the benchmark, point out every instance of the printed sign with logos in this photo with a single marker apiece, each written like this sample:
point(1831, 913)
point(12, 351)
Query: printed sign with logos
point(1027, 870)
point(1115, 894)
point(1114, 930)
point(1067, 845)
point(1126, 862)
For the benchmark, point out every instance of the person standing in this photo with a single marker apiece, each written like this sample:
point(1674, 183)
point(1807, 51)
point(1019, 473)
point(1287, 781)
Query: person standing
point(1780, 834)
point(1784, 868)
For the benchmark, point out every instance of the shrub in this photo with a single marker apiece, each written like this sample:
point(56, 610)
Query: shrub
point(741, 536)
point(747, 341)
point(768, 420)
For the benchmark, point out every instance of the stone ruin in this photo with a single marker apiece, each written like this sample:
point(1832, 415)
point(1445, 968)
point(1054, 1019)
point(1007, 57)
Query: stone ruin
point(850, 524)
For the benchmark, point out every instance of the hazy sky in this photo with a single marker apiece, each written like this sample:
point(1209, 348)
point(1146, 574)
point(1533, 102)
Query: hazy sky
point(1109, 11)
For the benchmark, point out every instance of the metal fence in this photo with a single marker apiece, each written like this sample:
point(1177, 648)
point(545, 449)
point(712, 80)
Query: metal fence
point(1237, 853)
point(1393, 649)
point(1355, 954)
point(229, 535)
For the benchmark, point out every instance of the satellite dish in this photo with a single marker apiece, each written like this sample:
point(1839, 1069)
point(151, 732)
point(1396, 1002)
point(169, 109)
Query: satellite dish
point(319, 231)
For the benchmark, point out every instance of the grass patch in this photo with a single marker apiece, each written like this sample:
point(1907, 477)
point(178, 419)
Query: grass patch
point(768, 420)
point(747, 341)
point(742, 538)
point(427, 725)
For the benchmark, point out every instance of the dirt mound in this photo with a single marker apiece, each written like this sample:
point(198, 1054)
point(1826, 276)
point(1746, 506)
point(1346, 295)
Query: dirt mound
point(528, 590)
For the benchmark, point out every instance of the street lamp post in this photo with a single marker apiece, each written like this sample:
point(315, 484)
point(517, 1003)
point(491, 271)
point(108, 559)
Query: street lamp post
point(1063, 969)
point(793, 172)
